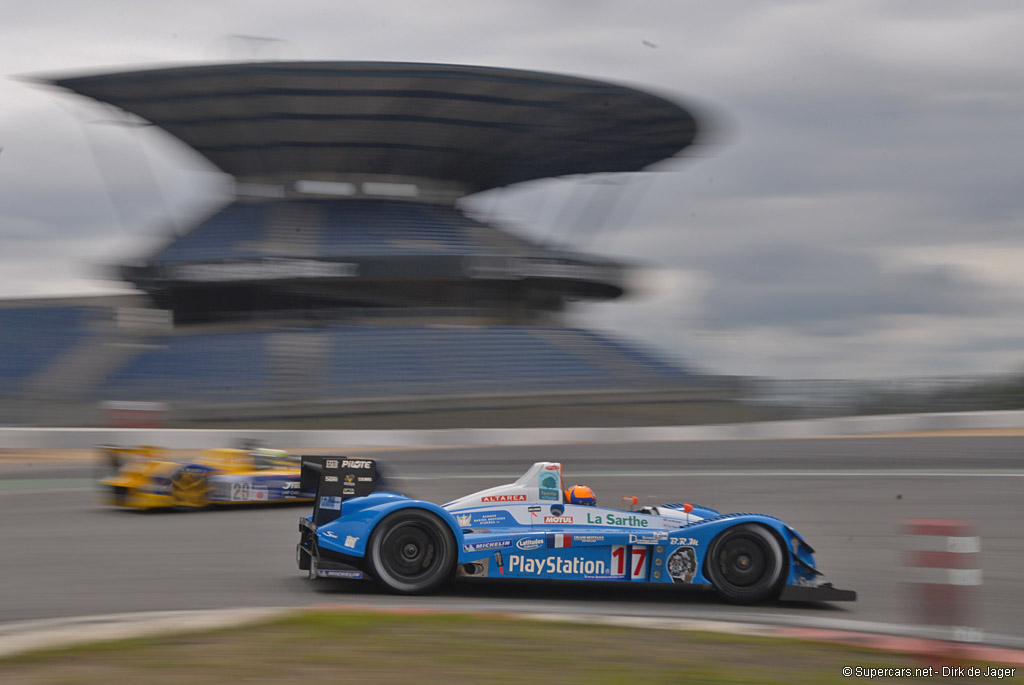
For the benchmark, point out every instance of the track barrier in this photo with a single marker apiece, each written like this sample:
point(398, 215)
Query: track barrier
point(184, 438)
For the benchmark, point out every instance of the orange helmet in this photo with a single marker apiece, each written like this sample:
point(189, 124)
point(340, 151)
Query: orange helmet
point(581, 494)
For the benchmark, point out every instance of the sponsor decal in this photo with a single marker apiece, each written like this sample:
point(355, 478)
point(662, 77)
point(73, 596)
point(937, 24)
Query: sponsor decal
point(331, 479)
point(534, 509)
point(490, 544)
point(329, 534)
point(588, 539)
point(330, 502)
point(604, 576)
point(346, 463)
point(495, 518)
point(333, 573)
point(484, 519)
point(556, 566)
point(503, 498)
point(689, 542)
point(349, 479)
point(348, 491)
point(290, 486)
point(682, 565)
point(559, 540)
point(652, 538)
point(549, 487)
point(558, 519)
point(351, 541)
point(500, 562)
point(611, 519)
point(355, 464)
point(530, 544)
point(551, 467)
point(365, 479)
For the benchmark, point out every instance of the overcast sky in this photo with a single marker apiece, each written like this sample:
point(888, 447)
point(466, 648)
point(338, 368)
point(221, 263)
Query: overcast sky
point(859, 214)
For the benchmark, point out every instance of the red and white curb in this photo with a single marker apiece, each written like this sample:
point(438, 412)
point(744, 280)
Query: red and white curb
point(943, 569)
point(29, 636)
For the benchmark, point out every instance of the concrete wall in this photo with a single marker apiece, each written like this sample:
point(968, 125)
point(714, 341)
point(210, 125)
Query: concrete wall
point(78, 438)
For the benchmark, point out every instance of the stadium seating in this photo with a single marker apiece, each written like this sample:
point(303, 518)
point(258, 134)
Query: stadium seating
point(393, 228)
point(328, 228)
point(382, 361)
point(32, 337)
point(214, 367)
point(222, 236)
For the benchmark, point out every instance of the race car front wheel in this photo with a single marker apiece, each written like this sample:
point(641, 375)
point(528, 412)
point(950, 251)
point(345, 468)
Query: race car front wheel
point(746, 564)
point(412, 552)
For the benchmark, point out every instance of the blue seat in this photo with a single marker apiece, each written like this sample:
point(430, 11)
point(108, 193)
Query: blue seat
point(33, 337)
point(362, 361)
point(331, 228)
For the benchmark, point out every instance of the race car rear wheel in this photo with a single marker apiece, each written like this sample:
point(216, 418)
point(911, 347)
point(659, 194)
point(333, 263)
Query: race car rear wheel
point(411, 552)
point(746, 564)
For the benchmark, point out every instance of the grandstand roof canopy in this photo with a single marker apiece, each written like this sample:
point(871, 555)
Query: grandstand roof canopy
point(478, 127)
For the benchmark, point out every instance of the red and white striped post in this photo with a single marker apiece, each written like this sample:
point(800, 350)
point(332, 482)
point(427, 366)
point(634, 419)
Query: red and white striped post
point(944, 568)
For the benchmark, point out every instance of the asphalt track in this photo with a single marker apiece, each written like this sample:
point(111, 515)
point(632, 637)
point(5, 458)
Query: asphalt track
point(65, 555)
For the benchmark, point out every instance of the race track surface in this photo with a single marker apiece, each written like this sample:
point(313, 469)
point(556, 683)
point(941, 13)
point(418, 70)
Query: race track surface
point(66, 555)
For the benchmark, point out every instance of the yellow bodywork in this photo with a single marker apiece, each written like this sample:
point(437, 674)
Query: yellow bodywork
point(146, 478)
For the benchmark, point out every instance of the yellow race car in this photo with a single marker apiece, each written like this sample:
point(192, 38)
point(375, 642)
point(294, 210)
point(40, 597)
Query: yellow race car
point(145, 478)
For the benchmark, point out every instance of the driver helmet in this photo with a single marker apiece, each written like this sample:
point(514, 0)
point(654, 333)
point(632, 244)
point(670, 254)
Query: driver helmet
point(581, 494)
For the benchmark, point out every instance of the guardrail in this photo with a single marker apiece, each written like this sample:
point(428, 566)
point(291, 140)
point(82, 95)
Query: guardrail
point(77, 438)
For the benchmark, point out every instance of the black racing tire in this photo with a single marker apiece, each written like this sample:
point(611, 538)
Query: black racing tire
point(746, 564)
point(411, 552)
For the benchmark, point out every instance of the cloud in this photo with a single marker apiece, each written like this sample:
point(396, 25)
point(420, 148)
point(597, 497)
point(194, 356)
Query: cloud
point(820, 289)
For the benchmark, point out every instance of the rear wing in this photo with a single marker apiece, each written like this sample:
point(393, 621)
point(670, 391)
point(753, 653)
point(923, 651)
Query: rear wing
point(113, 457)
point(336, 479)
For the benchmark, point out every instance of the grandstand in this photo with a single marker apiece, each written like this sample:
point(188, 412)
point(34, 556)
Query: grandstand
point(344, 276)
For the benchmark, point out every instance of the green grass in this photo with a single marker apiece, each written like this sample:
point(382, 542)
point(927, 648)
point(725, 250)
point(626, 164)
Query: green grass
point(322, 647)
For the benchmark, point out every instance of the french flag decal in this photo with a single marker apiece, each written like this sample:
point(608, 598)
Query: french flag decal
point(559, 540)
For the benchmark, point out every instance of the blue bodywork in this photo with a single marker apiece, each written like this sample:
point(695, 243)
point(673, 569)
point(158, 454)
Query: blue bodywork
point(519, 531)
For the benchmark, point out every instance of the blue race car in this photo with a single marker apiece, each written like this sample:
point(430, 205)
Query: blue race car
point(534, 528)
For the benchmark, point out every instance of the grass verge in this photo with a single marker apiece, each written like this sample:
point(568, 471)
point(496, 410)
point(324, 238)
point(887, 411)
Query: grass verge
point(316, 647)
